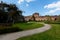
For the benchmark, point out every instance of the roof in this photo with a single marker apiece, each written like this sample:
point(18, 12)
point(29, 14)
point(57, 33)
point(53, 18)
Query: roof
point(36, 13)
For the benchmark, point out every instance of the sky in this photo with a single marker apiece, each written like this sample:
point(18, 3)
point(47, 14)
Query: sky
point(43, 7)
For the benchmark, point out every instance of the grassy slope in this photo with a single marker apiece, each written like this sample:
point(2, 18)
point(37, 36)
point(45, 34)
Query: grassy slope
point(27, 26)
point(52, 34)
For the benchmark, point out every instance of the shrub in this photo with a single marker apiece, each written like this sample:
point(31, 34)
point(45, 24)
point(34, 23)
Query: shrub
point(9, 29)
point(52, 22)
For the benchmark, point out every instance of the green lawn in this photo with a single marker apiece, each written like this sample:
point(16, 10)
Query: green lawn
point(27, 26)
point(20, 27)
point(52, 34)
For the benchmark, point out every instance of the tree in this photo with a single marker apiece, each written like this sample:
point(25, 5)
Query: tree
point(14, 13)
point(9, 13)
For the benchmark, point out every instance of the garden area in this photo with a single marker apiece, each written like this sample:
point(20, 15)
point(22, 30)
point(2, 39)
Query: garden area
point(52, 34)
point(20, 27)
point(28, 25)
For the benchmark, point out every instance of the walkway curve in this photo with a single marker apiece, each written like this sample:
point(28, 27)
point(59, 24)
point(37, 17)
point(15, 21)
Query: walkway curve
point(14, 36)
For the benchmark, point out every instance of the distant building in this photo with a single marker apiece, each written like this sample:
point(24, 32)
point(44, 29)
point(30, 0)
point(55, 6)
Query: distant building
point(36, 17)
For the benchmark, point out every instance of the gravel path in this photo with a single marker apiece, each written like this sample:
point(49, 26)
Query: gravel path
point(14, 36)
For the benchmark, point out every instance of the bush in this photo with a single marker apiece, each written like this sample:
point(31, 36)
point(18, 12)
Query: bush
point(52, 22)
point(9, 30)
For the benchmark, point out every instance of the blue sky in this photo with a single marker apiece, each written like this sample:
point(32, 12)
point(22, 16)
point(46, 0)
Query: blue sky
point(43, 7)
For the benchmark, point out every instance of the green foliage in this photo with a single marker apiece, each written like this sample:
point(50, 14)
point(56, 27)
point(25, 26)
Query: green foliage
point(9, 29)
point(52, 22)
point(9, 13)
point(19, 27)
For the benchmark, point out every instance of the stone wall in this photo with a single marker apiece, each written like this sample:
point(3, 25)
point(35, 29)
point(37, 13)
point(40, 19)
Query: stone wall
point(41, 18)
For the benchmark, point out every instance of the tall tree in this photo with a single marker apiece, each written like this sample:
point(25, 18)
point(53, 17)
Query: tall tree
point(9, 13)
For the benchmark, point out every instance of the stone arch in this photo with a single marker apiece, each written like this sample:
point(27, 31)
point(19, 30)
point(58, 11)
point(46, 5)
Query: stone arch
point(55, 19)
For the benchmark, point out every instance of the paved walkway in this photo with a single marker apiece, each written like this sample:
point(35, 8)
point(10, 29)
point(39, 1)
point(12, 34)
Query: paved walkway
point(14, 36)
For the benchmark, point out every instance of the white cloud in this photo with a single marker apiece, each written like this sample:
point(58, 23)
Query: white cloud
point(29, 0)
point(53, 11)
point(20, 1)
point(53, 5)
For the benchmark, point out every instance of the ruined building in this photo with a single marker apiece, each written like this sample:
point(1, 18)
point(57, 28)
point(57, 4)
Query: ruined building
point(36, 17)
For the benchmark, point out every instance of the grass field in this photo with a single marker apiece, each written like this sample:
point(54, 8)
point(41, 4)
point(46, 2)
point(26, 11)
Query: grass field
point(20, 27)
point(52, 34)
point(29, 25)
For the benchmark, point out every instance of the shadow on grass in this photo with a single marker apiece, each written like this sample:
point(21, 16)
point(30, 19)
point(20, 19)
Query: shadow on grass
point(10, 30)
